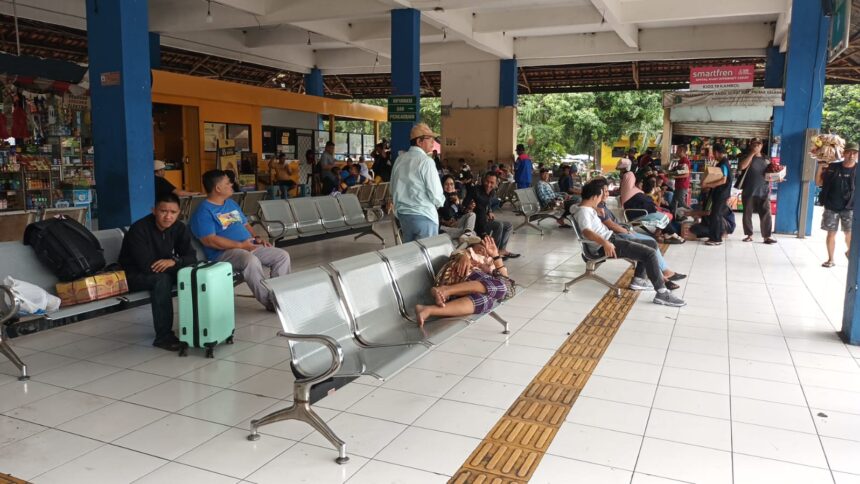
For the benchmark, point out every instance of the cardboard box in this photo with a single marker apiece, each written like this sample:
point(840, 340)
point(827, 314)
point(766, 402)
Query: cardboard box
point(93, 288)
point(712, 173)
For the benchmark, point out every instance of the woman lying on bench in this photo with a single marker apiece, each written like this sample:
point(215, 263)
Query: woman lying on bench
point(471, 282)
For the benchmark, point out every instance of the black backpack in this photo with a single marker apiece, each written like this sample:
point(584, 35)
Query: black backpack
point(66, 247)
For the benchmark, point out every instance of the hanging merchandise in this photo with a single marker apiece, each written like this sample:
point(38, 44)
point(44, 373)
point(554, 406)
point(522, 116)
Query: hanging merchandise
point(826, 147)
point(19, 120)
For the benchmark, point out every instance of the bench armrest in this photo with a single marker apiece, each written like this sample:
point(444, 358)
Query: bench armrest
point(629, 212)
point(8, 304)
point(329, 343)
point(266, 224)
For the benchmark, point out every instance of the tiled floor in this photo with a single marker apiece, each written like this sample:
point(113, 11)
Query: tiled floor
point(747, 384)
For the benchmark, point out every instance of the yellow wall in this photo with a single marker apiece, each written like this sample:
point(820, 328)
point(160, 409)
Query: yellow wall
point(608, 162)
point(479, 135)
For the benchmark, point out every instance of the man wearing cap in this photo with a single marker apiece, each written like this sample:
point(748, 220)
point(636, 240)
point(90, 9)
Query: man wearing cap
point(755, 192)
point(163, 187)
point(523, 168)
point(329, 179)
point(837, 195)
point(416, 188)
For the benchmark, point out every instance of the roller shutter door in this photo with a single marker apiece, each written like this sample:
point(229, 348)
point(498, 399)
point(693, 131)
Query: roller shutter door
point(744, 129)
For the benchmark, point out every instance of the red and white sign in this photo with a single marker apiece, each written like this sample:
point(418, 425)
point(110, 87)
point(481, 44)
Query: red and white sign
point(721, 77)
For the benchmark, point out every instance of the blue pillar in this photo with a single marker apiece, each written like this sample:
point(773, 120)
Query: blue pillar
point(118, 44)
point(154, 50)
point(850, 316)
point(774, 72)
point(804, 96)
point(405, 69)
point(508, 75)
point(314, 83)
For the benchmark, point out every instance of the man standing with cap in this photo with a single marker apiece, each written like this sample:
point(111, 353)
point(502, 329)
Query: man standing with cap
point(416, 188)
point(755, 192)
point(523, 168)
point(837, 195)
point(163, 187)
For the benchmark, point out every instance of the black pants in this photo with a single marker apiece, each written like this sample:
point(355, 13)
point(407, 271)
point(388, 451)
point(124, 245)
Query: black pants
point(501, 232)
point(647, 263)
point(718, 219)
point(159, 286)
point(760, 206)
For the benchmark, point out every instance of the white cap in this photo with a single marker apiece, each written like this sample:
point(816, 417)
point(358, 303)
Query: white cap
point(624, 164)
point(159, 165)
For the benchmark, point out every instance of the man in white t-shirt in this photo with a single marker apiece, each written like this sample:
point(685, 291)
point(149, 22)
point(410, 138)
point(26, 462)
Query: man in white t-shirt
point(647, 262)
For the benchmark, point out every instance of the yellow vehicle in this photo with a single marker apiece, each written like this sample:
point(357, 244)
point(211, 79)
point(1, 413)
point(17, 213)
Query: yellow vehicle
point(609, 155)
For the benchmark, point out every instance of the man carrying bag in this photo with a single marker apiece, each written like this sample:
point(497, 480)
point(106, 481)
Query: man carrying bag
point(755, 193)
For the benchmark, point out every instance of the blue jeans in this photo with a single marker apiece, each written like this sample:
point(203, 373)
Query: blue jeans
point(650, 242)
point(415, 227)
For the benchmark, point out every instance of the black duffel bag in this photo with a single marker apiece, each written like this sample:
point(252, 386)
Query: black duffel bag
point(66, 247)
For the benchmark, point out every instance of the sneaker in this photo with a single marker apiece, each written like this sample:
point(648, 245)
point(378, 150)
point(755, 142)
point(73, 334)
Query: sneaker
point(641, 284)
point(677, 277)
point(169, 345)
point(666, 298)
point(671, 285)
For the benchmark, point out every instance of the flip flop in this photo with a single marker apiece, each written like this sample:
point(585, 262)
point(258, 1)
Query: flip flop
point(769, 241)
point(828, 264)
point(748, 238)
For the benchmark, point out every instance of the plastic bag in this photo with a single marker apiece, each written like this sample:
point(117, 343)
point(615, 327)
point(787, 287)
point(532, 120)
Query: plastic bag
point(32, 298)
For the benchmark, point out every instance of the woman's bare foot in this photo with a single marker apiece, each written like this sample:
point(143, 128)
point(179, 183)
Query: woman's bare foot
point(422, 312)
point(439, 296)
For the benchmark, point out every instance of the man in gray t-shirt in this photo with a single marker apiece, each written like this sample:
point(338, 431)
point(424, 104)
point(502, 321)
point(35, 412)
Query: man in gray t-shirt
point(755, 194)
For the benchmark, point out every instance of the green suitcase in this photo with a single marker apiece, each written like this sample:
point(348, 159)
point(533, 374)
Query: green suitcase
point(206, 312)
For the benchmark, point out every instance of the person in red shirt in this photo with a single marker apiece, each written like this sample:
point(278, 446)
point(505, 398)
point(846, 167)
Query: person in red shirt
point(682, 182)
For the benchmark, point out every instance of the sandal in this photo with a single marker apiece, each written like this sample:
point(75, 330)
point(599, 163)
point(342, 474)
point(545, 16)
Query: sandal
point(749, 238)
point(712, 243)
point(828, 264)
point(769, 241)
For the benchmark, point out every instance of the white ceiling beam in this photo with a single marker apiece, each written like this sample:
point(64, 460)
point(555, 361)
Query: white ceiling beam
point(611, 12)
point(433, 56)
point(481, 4)
point(380, 28)
point(254, 7)
point(339, 31)
point(515, 20)
point(666, 40)
point(459, 24)
point(673, 10)
point(644, 56)
point(231, 45)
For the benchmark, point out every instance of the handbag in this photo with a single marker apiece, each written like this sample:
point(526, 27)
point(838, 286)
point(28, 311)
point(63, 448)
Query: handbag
point(738, 187)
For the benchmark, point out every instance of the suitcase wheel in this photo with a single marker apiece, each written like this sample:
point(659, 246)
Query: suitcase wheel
point(184, 350)
point(229, 340)
point(210, 352)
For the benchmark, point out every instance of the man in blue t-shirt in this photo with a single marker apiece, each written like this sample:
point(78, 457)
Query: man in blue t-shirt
point(227, 236)
point(523, 168)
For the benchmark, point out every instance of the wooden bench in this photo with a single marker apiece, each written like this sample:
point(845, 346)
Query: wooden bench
point(354, 317)
point(307, 219)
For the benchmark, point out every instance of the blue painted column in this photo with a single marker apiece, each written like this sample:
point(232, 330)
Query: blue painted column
point(118, 44)
point(154, 50)
point(508, 75)
point(314, 83)
point(804, 96)
point(405, 69)
point(774, 77)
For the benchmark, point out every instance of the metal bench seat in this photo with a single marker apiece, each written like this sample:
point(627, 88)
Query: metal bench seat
point(308, 220)
point(529, 204)
point(593, 257)
point(277, 220)
point(330, 214)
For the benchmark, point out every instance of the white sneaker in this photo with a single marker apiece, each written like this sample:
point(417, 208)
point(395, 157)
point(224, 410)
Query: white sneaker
point(641, 284)
point(666, 298)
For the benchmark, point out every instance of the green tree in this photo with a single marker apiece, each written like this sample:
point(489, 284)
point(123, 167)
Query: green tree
point(431, 113)
point(841, 113)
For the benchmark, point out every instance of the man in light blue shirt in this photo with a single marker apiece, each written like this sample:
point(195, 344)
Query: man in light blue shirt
point(416, 188)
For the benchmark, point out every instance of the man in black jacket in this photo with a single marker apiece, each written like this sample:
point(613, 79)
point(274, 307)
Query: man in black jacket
point(485, 221)
point(153, 251)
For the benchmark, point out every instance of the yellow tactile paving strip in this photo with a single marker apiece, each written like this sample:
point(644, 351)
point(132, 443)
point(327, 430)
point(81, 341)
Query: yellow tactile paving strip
point(512, 450)
point(7, 479)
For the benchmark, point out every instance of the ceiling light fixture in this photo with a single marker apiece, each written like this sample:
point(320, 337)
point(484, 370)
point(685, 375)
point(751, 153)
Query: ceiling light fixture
point(309, 37)
point(444, 34)
point(209, 18)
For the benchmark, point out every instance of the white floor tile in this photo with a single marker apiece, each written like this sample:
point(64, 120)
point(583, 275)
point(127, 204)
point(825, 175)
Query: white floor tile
point(171, 436)
point(684, 462)
point(100, 465)
point(394, 405)
point(842, 454)
point(559, 470)
point(460, 418)
point(443, 362)
point(449, 450)
point(113, 421)
point(22, 393)
point(835, 400)
point(695, 380)
point(317, 467)
point(770, 414)
point(364, 436)
point(37, 363)
point(378, 472)
point(837, 424)
point(840, 380)
point(122, 384)
point(228, 407)
point(691, 401)
point(824, 362)
point(628, 370)
point(261, 355)
point(45, 340)
point(231, 453)
point(528, 355)
point(423, 382)
point(13, 430)
point(128, 356)
point(778, 444)
point(691, 429)
point(643, 354)
point(292, 429)
point(222, 373)
point(59, 407)
point(537, 340)
point(757, 470)
point(767, 390)
point(623, 391)
point(505, 371)
point(39, 453)
point(469, 346)
point(763, 370)
point(172, 395)
point(596, 445)
point(622, 417)
point(86, 348)
point(639, 478)
point(345, 396)
point(75, 374)
point(173, 472)
point(485, 392)
point(270, 383)
point(171, 366)
point(843, 478)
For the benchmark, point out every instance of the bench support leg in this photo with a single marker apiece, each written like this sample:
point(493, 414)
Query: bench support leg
point(371, 231)
point(590, 274)
point(301, 410)
point(505, 324)
point(9, 353)
point(529, 224)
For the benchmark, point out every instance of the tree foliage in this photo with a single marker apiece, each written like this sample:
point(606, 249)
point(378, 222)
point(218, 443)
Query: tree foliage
point(553, 125)
point(431, 113)
point(842, 111)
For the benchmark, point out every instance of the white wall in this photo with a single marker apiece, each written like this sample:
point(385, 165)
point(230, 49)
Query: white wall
point(470, 85)
point(289, 119)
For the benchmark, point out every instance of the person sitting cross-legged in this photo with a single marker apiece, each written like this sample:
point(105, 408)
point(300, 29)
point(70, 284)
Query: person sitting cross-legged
point(647, 262)
point(472, 282)
point(550, 199)
point(227, 236)
point(153, 251)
